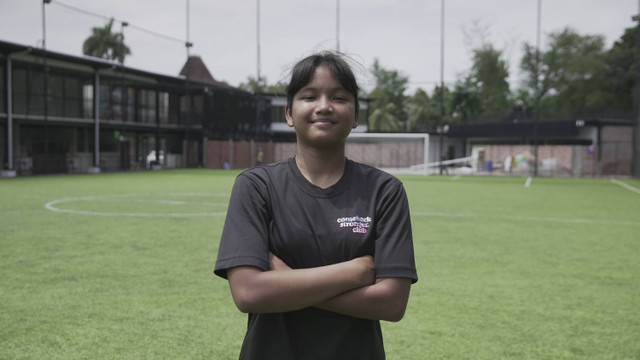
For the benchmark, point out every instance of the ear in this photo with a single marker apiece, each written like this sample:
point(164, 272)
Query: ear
point(288, 115)
point(355, 120)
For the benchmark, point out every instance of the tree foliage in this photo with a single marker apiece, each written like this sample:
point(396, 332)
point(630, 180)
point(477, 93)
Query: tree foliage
point(621, 70)
point(388, 112)
point(104, 43)
point(485, 89)
point(261, 86)
point(569, 73)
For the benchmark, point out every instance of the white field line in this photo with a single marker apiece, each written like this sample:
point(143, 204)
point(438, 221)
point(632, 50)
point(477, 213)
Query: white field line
point(455, 177)
point(530, 218)
point(626, 186)
point(528, 182)
point(51, 205)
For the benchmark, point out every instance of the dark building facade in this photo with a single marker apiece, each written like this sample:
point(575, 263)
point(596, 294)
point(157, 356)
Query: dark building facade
point(62, 114)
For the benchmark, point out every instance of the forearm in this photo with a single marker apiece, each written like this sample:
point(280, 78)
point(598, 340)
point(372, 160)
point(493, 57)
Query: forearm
point(385, 300)
point(259, 291)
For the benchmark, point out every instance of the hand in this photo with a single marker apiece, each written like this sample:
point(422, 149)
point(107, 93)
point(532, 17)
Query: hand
point(366, 269)
point(277, 263)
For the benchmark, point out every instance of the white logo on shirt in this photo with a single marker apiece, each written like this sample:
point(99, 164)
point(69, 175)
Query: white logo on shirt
point(358, 223)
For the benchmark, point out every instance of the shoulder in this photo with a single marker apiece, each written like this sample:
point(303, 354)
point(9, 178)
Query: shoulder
point(265, 173)
point(374, 175)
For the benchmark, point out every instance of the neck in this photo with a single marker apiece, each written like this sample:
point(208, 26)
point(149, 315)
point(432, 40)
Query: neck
point(322, 168)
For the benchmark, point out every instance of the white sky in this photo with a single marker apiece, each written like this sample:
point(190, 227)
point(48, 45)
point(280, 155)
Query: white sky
point(403, 34)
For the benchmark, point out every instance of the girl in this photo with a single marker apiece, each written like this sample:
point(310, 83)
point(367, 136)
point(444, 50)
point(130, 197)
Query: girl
point(317, 248)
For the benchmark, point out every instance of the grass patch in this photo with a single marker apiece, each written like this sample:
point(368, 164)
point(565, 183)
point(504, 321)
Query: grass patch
point(506, 272)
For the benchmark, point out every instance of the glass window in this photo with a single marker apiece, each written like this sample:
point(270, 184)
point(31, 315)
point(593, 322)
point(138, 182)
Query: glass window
point(19, 84)
point(105, 100)
point(147, 106)
point(174, 108)
point(72, 97)
point(2, 93)
point(55, 84)
point(163, 98)
point(87, 101)
point(130, 104)
point(116, 103)
point(35, 93)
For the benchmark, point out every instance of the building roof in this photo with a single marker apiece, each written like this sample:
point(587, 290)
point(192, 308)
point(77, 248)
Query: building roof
point(195, 69)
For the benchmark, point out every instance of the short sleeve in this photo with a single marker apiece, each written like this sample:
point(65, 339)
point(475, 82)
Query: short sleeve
point(244, 240)
point(394, 255)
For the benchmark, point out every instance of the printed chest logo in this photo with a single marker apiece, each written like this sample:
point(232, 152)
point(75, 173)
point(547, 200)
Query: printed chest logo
point(358, 224)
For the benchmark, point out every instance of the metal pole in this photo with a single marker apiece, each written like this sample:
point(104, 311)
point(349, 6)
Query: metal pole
point(46, 79)
point(338, 25)
point(635, 162)
point(258, 45)
point(441, 84)
point(537, 104)
point(96, 123)
point(9, 116)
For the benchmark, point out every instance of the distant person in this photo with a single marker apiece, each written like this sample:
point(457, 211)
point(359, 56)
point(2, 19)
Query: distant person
point(318, 248)
point(507, 164)
point(444, 169)
point(259, 156)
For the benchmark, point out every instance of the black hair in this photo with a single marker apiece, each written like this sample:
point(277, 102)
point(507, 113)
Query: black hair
point(303, 72)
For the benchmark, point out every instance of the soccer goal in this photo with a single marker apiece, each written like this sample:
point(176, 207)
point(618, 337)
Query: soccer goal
point(405, 154)
point(395, 153)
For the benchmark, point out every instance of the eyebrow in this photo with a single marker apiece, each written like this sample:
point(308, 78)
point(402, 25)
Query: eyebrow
point(310, 88)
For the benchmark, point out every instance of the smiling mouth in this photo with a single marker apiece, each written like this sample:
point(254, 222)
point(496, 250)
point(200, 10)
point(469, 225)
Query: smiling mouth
point(322, 121)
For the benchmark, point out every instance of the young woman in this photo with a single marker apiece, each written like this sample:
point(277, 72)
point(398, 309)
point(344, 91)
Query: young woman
point(317, 248)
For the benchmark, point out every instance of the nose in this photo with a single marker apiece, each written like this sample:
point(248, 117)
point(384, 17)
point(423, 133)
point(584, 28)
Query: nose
point(324, 105)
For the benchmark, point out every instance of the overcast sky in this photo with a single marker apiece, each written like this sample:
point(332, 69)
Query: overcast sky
point(403, 34)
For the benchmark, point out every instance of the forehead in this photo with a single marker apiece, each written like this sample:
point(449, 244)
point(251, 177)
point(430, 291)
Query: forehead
point(323, 77)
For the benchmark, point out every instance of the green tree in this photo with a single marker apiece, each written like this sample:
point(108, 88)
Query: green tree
point(569, 74)
point(424, 112)
point(383, 118)
point(104, 43)
point(261, 86)
point(484, 92)
point(621, 70)
point(388, 99)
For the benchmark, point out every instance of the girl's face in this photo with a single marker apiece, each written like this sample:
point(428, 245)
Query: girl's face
point(322, 112)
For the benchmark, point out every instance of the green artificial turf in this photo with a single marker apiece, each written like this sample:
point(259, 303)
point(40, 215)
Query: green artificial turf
point(119, 266)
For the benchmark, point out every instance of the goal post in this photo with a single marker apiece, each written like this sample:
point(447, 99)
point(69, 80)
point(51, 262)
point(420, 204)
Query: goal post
point(393, 152)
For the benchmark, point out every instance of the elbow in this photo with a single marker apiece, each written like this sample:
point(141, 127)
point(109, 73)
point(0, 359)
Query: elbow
point(245, 302)
point(395, 313)
point(392, 310)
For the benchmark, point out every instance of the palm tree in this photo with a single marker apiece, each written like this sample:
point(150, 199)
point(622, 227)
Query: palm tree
point(383, 119)
point(105, 44)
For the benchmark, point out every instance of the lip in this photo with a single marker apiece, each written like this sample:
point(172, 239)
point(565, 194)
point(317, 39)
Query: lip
point(323, 121)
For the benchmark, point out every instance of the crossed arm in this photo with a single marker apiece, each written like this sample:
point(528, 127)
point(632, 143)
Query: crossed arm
point(348, 288)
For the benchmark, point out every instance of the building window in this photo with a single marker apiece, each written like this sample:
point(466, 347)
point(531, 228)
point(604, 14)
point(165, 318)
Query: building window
point(20, 93)
point(191, 108)
point(72, 97)
point(2, 92)
point(55, 86)
point(163, 108)
point(87, 101)
point(147, 106)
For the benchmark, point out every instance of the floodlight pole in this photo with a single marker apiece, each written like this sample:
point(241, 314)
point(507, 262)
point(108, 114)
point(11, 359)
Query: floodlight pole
point(635, 162)
point(46, 78)
point(537, 103)
point(258, 45)
point(338, 25)
point(441, 84)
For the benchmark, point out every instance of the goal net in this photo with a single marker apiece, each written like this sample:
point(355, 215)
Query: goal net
point(405, 154)
point(394, 153)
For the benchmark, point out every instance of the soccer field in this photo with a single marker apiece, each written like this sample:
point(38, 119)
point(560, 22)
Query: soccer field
point(119, 266)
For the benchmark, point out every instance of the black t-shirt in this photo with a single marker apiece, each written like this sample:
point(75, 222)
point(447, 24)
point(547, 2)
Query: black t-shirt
point(274, 208)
